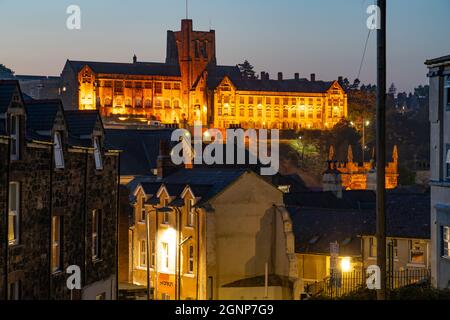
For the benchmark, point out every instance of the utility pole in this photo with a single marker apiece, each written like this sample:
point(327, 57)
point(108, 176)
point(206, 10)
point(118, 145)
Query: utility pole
point(381, 147)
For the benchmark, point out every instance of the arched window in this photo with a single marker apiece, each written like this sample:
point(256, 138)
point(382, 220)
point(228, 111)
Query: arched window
point(176, 104)
point(250, 111)
point(241, 111)
point(158, 104)
point(138, 103)
point(167, 104)
point(127, 102)
point(108, 102)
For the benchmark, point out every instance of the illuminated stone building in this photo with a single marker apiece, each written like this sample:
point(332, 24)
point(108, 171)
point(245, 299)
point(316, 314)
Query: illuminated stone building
point(189, 86)
point(351, 175)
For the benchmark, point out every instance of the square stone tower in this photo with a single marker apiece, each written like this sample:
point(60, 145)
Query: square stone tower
point(193, 51)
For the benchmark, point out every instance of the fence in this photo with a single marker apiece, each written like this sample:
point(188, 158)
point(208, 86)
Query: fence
point(341, 284)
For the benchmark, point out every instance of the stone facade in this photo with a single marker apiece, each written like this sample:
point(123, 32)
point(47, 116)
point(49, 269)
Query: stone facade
point(70, 193)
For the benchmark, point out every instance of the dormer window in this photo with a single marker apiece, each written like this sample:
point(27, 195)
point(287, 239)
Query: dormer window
point(97, 154)
point(58, 151)
point(15, 137)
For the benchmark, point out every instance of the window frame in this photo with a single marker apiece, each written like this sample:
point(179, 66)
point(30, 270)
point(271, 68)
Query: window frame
point(14, 214)
point(58, 150)
point(165, 256)
point(372, 247)
point(15, 137)
point(57, 243)
point(153, 254)
point(447, 93)
point(97, 154)
point(445, 242)
point(411, 249)
point(447, 161)
point(96, 234)
point(190, 213)
point(143, 254)
point(191, 259)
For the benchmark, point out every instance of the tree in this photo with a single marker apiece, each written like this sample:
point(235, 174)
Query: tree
point(247, 70)
point(6, 73)
point(392, 90)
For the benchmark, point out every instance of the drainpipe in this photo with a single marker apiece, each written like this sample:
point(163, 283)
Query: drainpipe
point(84, 219)
point(5, 240)
point(50, 213)
point(198, 251)
point(117, 226)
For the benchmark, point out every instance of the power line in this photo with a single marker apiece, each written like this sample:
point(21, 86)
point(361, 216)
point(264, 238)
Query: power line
point(364, 54)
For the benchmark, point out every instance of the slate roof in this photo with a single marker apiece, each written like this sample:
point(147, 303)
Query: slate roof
point(217, 73)
point(81, 122)
point(41, 114)
point(356, 199)
point(316, 227)
point(138, 68)
point(205, 183)
point(140, 149)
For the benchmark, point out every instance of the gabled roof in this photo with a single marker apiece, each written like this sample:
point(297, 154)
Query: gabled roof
point(138, 68)
point(217, 73)
point(82, 122)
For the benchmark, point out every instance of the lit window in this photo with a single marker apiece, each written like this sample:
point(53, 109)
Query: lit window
point(153, 260)
point(165, 255)
point(14, 213)
point(372, 247)
point(416, 252)
point(143, 212)
point(96, 234)
point(56, 243)
point(190, 213)
point(158, 87)
point(58, 151)
point(15, 137)
point(191, 260)
point(97, 154)
point(143, 254)
point(167, 86)
point(446, 242)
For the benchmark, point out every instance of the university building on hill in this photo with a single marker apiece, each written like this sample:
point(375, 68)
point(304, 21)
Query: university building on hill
point(189, 86)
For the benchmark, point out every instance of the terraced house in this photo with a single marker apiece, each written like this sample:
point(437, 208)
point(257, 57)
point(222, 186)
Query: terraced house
point(190, 86)
point(58, 196)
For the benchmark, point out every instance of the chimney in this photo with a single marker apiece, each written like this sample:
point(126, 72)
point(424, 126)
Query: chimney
point(341, 79)
point(297, 76)
point(134, 59)
point(313, 77)
point(263, 75)
point(280, 76)
point(267, 76)
point(164, 163)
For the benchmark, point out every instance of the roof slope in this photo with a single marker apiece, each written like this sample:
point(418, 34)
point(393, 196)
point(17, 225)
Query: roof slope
point(140, 149)
point(81, 122)
point(7, 88)
point(41, 114)
point(138, 68)
point(316, 227)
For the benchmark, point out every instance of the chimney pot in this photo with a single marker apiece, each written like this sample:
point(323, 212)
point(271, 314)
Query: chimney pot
point(280, 76)
point(263, 75)
point(297, 76)
point(134, 59)
point(313, 77)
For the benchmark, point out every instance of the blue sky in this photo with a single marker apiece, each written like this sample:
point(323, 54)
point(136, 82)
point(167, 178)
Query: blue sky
point(322, 36)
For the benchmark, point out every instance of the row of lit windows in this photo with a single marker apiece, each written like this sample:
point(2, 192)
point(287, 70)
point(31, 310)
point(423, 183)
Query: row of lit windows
point(231, 111)
point(158, 86)
point(139, 103)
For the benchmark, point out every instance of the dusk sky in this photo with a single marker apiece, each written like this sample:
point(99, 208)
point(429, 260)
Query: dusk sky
point(322, 36)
